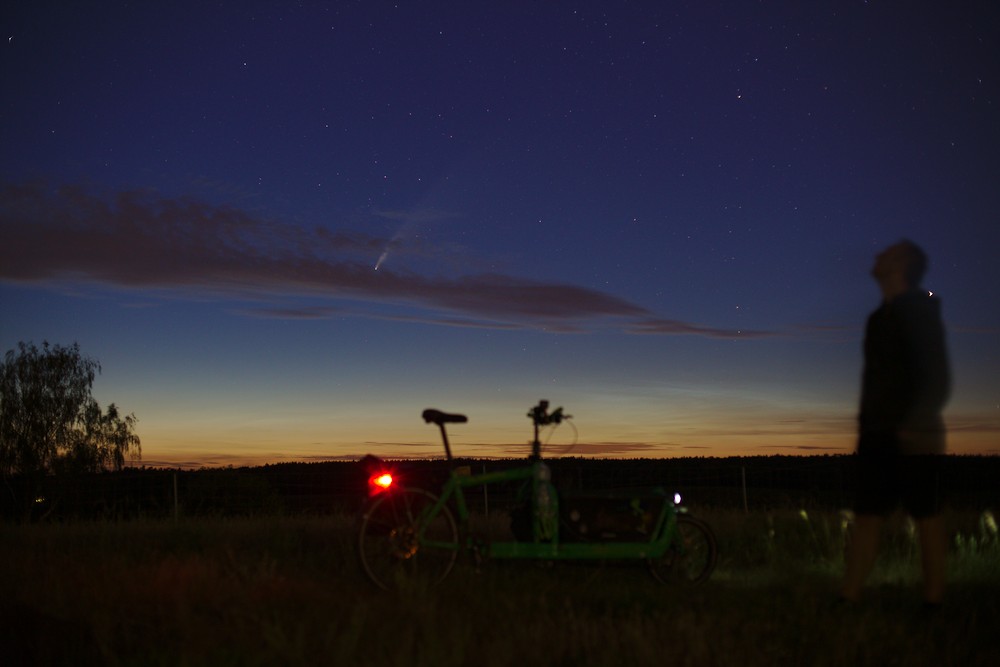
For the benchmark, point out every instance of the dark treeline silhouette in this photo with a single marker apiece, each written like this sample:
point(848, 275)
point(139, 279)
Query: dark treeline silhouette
point(757, 483)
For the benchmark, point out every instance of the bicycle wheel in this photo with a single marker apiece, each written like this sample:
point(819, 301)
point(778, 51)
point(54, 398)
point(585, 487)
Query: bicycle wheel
point(691, 555)
point(400, 540)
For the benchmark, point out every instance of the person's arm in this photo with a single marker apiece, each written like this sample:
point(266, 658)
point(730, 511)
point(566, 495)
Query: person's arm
point(927, 358)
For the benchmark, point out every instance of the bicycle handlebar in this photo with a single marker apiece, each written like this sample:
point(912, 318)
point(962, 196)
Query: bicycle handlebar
point(541, 416)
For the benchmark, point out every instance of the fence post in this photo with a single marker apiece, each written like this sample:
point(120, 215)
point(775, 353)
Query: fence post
point(176, 512)
point(746, 505)
point(486, 497)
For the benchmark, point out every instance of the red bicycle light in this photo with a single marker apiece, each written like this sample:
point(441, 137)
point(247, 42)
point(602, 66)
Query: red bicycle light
point(379, 482)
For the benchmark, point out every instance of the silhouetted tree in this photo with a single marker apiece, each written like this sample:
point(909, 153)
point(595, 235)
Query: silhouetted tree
point(50, 422)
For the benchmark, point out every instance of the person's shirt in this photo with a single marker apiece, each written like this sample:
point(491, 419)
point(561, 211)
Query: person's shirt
point(906, 379)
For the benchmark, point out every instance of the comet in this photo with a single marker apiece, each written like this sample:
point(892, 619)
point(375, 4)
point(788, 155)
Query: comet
point(393, 242)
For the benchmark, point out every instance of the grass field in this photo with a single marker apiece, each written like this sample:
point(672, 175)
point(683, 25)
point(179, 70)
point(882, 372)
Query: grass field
point(288, 591)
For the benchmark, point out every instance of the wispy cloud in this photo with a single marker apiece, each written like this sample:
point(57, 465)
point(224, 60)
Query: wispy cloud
point(290, 313)
point(141, 240)
point(807, 448)
point(420, 215)
point(659, 326)
point(613, 449)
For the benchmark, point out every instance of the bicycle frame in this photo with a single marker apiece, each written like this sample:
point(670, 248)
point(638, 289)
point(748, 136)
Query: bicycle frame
point(541, 548)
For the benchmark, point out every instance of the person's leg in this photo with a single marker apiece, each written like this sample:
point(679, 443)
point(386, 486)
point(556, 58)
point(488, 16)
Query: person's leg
point(922, 499)
point(861, 554)
point(933, 556)
point(876, 493)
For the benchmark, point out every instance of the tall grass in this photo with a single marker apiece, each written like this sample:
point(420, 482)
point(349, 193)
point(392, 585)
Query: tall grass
point(288, 591)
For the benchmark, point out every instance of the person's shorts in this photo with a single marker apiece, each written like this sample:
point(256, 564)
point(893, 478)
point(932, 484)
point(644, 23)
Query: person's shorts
point(887, 480)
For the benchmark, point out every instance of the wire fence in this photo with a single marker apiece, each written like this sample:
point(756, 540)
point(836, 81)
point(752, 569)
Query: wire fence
point(751, 484)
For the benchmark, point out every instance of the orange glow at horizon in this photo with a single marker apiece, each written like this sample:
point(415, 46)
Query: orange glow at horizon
point(798, 441)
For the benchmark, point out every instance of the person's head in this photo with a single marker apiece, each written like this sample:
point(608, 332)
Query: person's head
point(900, 267)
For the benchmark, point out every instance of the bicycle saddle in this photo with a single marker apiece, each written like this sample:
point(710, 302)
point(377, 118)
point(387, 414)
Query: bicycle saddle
point(432, 416)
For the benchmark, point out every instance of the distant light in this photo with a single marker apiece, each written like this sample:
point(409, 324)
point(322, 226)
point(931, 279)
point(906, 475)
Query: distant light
point(677, 499)
point(988, 524)
point(930, 293)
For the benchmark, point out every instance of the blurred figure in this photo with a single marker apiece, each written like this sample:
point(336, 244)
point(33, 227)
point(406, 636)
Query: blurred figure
point(905, 385)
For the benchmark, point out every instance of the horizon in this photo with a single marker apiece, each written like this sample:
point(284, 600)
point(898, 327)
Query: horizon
point(165, 466)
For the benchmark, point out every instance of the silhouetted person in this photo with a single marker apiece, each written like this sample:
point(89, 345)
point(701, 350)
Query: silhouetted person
point(905, 385)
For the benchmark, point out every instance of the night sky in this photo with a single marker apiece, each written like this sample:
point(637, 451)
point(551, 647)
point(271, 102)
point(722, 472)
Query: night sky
point(284, 229)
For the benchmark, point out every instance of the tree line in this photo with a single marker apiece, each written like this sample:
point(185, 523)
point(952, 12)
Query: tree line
point(320, 488)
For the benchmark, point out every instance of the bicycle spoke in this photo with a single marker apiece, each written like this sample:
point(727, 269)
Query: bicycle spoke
point(396, 538)
point(691, 556)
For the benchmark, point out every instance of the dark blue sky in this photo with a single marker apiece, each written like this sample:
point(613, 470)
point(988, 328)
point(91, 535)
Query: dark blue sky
point(659, 214)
